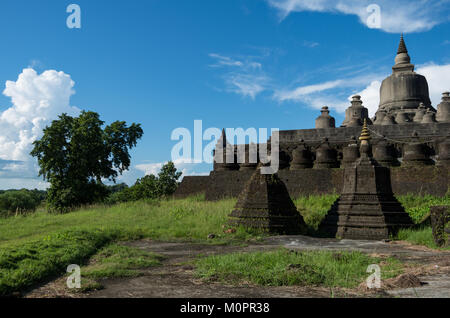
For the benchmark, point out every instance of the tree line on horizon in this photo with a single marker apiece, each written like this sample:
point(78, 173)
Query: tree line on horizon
point(76, 155)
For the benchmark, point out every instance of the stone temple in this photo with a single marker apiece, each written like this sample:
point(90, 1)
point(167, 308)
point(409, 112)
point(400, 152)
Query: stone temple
point(409, 136)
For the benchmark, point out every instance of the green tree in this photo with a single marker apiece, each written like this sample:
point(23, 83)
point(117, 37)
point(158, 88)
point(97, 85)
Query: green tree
point(75, 154)
point(146, 188)
point(168, 179)
point(149, 187)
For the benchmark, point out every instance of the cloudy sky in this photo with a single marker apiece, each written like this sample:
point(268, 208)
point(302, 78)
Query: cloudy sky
point(230, 63)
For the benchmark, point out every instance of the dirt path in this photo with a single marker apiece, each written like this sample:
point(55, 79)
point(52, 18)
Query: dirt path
point(175, 278)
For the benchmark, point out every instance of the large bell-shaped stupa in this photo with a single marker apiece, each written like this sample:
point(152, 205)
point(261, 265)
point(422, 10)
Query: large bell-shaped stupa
point(404, 90)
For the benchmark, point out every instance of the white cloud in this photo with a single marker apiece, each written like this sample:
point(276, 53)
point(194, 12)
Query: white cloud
point(37, 99)
point(245, 77)
point(150, 168)
point(331, 93)
point(23, 183)
point(224, 61)
point(396, 16)
point(438, 77)
point(247, 85)
point(187, 167)
point(299, 93)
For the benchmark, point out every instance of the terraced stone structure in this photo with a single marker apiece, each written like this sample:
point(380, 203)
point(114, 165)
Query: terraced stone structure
point(408, 135)
point(367, 208)
point(265, 204)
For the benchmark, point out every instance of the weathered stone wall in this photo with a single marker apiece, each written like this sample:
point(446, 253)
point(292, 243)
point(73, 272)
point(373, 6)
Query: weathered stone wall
point(425, 179)
point(225, 184)
point(343, 134)
point(432, 180)
point(192, 185)
point(311, 181)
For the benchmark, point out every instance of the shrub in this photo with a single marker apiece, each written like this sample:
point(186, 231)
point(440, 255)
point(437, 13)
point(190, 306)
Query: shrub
point(149, 187)
point(19, 201)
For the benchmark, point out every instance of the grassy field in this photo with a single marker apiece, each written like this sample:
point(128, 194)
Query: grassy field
point(286, 268)
point(190, 219)
point(40, 245)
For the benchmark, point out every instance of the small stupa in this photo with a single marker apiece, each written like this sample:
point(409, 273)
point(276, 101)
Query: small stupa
point(367, 208)
point(265, 204)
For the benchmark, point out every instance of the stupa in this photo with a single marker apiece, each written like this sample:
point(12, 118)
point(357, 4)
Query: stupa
point(367, 208)
point(265, 204)
point(405, 90)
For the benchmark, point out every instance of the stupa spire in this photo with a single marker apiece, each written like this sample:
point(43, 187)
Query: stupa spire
point(365, 134)
point(402, 46)
point(403, 60)
point(365, 138)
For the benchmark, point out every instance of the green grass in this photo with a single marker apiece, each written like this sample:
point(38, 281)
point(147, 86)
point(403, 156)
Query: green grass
point(88, 285)
point(287, 268)
point(38, 246)
point(419, 206)
point(191, 219)
point(116, 260)
point(21, 267)
point(188, 219)
point(314, 208)
point(422, 236)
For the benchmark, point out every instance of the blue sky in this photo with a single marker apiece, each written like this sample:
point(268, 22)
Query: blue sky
point(230, 63)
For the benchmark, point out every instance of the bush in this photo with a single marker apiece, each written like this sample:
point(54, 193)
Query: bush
point(65, 199)
point(149, 187)
point(19, 201)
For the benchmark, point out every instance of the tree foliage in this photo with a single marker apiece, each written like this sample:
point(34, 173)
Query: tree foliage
point(150, 186)
point(168, 179)
point(75, 154)
point(20, 201)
